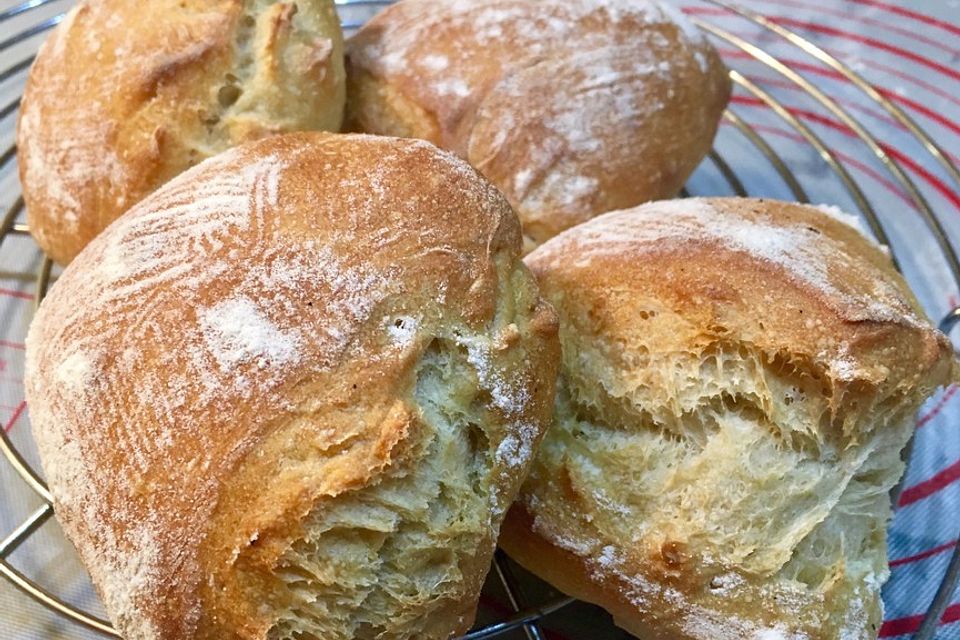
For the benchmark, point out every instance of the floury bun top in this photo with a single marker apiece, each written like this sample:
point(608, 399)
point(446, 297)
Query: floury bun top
point(293, 392)
point(572, 109)
point(123, 96)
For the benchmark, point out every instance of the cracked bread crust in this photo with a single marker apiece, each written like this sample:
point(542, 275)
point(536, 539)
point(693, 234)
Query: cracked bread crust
point(739, 377)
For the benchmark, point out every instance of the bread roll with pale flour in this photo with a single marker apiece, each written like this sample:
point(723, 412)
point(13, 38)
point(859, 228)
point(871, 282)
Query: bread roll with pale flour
point(124, 95)
point(738, 380)
point(292, 392)
point(571, 107)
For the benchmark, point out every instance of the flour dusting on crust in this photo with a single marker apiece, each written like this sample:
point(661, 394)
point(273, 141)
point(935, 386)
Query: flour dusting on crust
point(178, 333)
point(236, 331)
point(803, 252)
point(559, 103)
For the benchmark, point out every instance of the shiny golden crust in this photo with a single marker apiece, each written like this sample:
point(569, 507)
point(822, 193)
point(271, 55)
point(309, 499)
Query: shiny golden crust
point(572, 108)
point(125, 95)
point(321, 369)
point(739, 377)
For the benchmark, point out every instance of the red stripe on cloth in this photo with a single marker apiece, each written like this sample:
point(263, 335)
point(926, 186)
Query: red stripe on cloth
point(840, 33)
point(913, 34)
point(921, 171)
point(787, 85)
point(920, 17)
point(16, 294)
point(893, 96)
point(941, 403)
point(919, 108)
point(16, 416)
point(930, 486)
point(926, 86)
point(902, 158)
point(871, 42)
point(900, 626)
point(923, 554)
point(13, 345)
point(853, 162)
point(706, 11)
point(836, 75)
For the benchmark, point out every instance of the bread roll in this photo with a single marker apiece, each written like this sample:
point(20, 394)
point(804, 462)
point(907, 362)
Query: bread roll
point(291, 394)
point(738, 380)
point(572, 108)
point(125, 95)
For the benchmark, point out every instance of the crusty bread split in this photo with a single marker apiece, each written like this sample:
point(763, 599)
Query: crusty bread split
point(124, 95)
point(571, 107)
point(738, 380)
point(292, 393)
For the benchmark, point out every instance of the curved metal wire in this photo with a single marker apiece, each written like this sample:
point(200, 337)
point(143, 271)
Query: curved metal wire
point(764, 147)
point(24, 8)
point(19, 535)
point(43, 281)
point(828, 156)
point(514, 593)
point(10, 108)
point(23, 468)
point(728, 173)
point(950, 321)
point(931, 621)
point(9, 218)
point(9, 154)
point(859, 81)
point(41, 595)
point(54, 603)
point(851, 185)
point(518, 620)
point(892, 166)
point(951, 578)
point(26, 34)
point(13, 70)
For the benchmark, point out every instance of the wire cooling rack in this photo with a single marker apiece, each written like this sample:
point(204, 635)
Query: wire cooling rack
point(818, 145)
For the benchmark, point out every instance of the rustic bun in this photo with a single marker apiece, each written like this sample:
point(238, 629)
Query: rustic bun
point(292, 393)
point(124, 96)
point(572, 108)
point(738, 380)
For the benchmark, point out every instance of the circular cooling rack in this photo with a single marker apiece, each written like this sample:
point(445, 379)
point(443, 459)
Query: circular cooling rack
point(828, 103)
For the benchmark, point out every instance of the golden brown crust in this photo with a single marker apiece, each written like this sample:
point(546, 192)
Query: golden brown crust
point(570, 108)
point(124, 95)
point(580, 577)
point(739, 377)
point(250, 340)
point(782, 276)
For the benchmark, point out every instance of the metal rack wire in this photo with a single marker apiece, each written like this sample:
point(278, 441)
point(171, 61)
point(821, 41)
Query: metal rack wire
point(526, 616)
